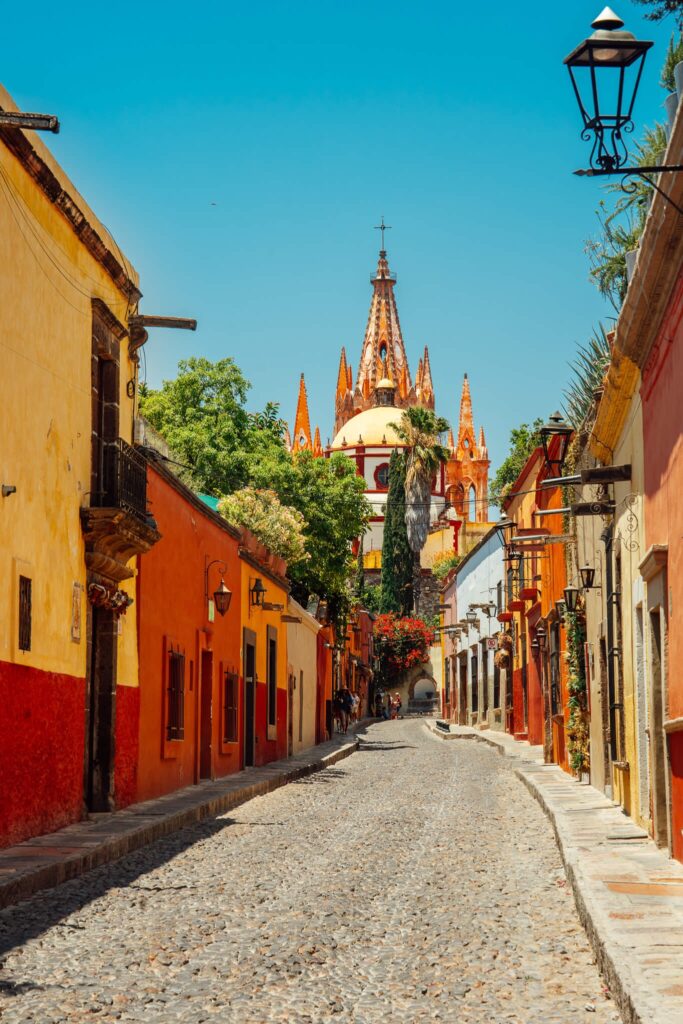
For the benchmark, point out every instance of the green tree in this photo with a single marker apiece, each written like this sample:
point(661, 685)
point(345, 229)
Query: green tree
point(523, 440)
point(397, 560)
point(662, 8)
point(330, 496)
point(202, 416)
point(359, 588)
point(419, 429)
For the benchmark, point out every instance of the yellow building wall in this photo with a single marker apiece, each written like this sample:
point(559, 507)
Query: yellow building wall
point(628, 547)
point(49, 279)
point(302, 659)
point(258, 620)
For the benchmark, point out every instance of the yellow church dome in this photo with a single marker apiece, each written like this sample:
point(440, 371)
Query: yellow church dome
point(372, 425)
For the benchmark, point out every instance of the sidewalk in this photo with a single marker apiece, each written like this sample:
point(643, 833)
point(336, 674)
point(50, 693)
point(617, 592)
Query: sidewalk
point(48, 860)
point(628, 892)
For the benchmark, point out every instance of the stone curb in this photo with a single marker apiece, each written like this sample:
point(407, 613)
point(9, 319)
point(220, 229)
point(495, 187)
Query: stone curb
point(151, 824)
point(626, 991)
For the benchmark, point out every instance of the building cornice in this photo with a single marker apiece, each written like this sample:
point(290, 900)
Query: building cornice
point(33, 163)
point(622, 381)
point(659, 261)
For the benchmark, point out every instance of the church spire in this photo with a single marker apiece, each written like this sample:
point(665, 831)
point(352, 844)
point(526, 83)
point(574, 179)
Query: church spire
point(343, 375)
point(426, 383)
point(382, 335)
point(302, 423)
point(466, 421)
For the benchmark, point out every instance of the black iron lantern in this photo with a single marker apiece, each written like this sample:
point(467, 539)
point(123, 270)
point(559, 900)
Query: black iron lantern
point(560, 608)
point(514, 558)
point(541, 636)
point(605, 70)
point(587, 576)
point(571, 598)
point(535, 646)
point(257, 593)
point(471, 617)
point(222, 598)
point(555, 427)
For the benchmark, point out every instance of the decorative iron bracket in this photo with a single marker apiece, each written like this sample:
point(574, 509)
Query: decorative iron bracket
point(635, 172)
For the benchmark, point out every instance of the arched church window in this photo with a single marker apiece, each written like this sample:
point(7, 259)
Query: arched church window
point(466, 443)
point(383, 350)
point(472, 505)
point(382, 476)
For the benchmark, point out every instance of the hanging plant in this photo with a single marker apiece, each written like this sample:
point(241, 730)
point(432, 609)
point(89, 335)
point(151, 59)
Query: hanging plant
point(577, 704)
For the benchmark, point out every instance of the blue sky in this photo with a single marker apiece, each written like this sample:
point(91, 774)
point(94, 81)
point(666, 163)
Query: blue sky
point(304, 122)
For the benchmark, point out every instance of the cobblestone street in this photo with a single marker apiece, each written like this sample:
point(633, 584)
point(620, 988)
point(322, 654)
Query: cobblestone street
point(414, 881)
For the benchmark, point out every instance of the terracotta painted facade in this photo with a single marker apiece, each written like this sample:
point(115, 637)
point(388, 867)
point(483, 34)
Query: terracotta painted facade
point(177, 636)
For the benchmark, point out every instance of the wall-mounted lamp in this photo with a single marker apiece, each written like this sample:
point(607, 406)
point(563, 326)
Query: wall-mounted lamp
point(222, 596)
point(555, 427)
point(571, 598)
point(535, 646)
point(8, 489)
point(257, 592)
point(587, 575)
point(541, 637)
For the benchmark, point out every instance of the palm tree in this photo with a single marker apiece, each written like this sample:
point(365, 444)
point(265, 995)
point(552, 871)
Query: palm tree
point(588, 371)
point(419, 430)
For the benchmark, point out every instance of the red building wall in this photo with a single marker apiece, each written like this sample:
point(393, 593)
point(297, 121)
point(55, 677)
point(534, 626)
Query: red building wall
point(41, 751)
point(662, 387)
point(172, 610)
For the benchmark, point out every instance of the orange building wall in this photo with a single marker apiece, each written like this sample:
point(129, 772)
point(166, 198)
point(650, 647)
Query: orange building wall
point(661, 392)
point(172, 608)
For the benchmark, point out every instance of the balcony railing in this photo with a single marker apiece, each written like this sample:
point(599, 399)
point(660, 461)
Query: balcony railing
point(124, 479)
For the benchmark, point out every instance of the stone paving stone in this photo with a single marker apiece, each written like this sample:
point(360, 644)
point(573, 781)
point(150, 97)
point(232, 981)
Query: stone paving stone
point(628, 892)
point(412, 882)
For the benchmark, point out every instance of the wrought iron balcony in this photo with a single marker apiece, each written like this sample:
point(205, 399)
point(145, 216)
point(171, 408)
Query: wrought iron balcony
point(124, 479)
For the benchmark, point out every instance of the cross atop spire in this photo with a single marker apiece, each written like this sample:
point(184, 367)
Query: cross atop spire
point(382, 227)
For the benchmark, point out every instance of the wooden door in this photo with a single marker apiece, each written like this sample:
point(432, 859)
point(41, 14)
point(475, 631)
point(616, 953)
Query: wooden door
point(206, 717)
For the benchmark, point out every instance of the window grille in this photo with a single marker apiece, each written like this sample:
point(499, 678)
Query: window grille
point(230, 708)
point(176, 696)
point(25, 613)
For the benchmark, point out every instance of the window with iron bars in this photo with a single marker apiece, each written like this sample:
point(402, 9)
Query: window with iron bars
point(230, 708)
point(175, 725)
point(25, 613)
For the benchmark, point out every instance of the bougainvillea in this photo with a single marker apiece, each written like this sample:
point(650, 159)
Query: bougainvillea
point(401, 643)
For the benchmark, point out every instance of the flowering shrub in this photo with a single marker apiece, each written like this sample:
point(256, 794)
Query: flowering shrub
point(401, 642)
point(279, 527)
point(443, 563)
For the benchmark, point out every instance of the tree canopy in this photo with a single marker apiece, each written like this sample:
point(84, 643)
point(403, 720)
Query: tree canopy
point(523, 440)
point(662, 8)
point(202, 416)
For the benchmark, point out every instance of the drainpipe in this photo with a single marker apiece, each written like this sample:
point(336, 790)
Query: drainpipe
point(607, 537)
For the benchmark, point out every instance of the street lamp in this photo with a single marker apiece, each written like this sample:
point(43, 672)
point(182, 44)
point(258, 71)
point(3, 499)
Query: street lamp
point(555, 427)
point(587, 576)
point(257, 593)
point(602, 63)
point(571, 598)
point(222, 596)
point(541, 636)
point(471, 617)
